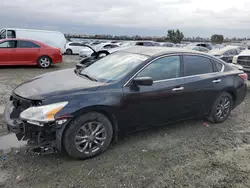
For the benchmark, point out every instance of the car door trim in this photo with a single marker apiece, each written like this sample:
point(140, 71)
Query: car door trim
point(181, 56)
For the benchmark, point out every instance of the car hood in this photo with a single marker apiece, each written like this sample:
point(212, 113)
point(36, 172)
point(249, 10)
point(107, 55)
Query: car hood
point(245, 53)
point(62, 82)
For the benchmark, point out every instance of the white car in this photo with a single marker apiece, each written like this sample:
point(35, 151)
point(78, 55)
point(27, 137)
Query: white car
point(103, 47)
point(243, 59)
point(74, 48)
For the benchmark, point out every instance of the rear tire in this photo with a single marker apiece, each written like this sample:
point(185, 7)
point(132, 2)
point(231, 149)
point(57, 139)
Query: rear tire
point(88, 135)
point(44, 61)
point(69, 52)
point(221, 109)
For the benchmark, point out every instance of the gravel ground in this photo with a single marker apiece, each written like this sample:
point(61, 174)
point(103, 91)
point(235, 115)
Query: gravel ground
point(187, 154)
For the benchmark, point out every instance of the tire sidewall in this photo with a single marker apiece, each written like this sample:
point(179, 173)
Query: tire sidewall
point(69, 52)
point(39, 61)
point(213, 111)
point(76, 124)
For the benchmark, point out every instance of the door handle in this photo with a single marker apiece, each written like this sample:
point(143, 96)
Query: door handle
point(217, 81)
point(178, 89)
point(13, 50)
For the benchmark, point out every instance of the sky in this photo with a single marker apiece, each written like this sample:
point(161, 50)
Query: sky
point(130, 17)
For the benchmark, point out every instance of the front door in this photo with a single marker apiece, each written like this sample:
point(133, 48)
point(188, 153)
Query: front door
point(147, 106)
point(6, 49)
point(26, 53)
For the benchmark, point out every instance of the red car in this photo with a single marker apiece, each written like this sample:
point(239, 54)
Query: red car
point(28, 52)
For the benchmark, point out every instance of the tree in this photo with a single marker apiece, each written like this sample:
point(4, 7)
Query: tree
point(175, 36)
point(217, 39)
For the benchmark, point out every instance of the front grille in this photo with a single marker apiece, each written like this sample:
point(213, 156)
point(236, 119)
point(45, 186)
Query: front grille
point(244, 61)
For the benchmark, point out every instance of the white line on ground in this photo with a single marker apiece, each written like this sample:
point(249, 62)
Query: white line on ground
point(1, 109)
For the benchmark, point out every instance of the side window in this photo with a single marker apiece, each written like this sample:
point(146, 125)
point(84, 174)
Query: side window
point(226, 53)
point(197, 48)
point(233, 52)
point(107, 46)
point(195, 65)
point(218, 65)
point(148, 44)
point(163, 68)
point(26, 44)
point(8, 44)
point(75, 44)
point(139, 43)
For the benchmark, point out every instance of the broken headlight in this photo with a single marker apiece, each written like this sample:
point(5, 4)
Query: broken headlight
point(42, 114)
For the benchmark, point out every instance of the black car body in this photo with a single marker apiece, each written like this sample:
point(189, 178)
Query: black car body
point(226, 54)
point(126, 91)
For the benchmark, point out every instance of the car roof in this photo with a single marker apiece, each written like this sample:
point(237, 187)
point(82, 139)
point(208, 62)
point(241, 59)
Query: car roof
point(223, 50)
point(155, 51)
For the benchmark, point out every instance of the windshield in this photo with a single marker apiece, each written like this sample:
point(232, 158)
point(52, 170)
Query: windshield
point(113, 67)
point(3, 34)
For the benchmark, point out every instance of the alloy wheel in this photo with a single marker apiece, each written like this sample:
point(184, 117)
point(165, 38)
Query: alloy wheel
point(223, 107)
point(90, 137)
point(45, 62)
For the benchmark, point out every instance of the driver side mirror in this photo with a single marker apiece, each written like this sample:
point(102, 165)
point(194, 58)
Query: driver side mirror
point(143, 81)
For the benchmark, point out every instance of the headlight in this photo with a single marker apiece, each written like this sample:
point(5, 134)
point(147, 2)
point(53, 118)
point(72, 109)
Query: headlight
point(42, 114)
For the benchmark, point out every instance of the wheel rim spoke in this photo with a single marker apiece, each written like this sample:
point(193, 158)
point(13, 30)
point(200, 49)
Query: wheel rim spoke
point(90, 137)
point(101, 131)
point(81, 142)
point(223, 108)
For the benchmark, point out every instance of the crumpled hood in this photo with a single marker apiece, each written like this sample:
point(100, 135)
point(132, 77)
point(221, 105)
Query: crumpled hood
point(55, 83)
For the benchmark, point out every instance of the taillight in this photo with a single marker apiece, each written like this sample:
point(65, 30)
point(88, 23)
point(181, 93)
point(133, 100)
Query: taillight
point(243, 76)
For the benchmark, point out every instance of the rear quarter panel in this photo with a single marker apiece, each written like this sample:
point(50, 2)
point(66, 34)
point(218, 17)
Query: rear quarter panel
point(53, 53)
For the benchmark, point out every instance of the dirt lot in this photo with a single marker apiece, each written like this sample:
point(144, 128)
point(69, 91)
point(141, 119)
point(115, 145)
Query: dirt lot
point(187, 154)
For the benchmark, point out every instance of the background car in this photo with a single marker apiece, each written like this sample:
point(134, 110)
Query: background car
point(101, 48)
point(147, 43)
point(206, 45)
point(28, 52)
point(197, 48)
point(74, 47)
point(133, 89)
point(243, 59)
point(168, 44)
point(226, 54)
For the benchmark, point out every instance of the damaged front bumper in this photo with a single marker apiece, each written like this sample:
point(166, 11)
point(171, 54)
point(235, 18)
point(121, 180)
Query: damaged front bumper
point(43, 138)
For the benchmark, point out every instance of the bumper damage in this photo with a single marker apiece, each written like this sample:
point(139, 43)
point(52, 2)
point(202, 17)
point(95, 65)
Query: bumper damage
point(43, 138)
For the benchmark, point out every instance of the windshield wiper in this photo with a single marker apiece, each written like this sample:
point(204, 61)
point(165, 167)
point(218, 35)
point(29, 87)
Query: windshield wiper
point(90, 78)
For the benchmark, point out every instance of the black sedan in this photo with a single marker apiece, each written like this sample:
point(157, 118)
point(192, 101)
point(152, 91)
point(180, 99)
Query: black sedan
point(129, 90)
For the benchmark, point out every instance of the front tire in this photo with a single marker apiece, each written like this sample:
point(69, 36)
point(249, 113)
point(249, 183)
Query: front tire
point(222, 108)
point(88, 135)
point(44, 62)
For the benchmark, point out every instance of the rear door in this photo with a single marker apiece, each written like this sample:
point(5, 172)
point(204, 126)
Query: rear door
point(27, 52)
point(201, 80)
point(6, 49)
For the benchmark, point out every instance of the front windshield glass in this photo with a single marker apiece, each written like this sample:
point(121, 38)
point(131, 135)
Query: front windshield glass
point(3, 34)
point(113, 67)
